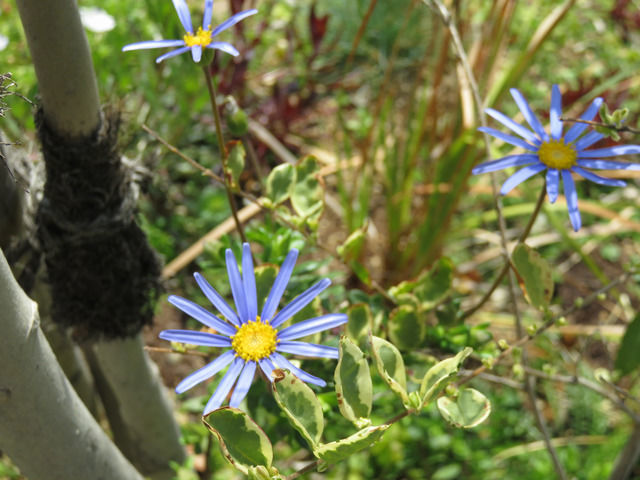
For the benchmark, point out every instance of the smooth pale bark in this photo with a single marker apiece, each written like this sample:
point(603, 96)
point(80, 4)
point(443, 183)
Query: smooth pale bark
point(137, 405)
point(44, 426)
point(62, 60)
point(71, 107)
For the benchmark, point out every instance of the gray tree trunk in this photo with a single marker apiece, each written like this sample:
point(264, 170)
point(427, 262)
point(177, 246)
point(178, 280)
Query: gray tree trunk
point(44, 426)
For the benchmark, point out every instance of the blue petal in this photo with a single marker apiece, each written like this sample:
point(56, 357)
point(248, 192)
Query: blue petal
point(611, 182)
point(202, 315)
point(196, 53)
point(572, 200)
point(243, 384)
point(300, 302)
point(608, 165)
point(183, 14)
point(508, 138)
point(173, 53)
point(267, 366)
point(529, 116)
point(555, 113)
point(588, 140)
point(224, 386)
point(195, 338)
point(577, 128)
point(233, 20)
point(216, 299)
point(236, 285)
point(205, 372)
point(313, 325)
point(280, 284)
point(553, 179)
point(249, 283)
point(285, 364)
point(152, 44)
point(520, 176)
point(514, 126)
point(308, 349)
point(208, 10)
point(610, 151)
point(225, 47)
point(506, 162)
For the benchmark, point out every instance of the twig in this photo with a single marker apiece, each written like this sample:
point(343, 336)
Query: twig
point(527, 338)
point(224, 154)
point(628, 458)
point(612, 126)
point(591, 385)
point(507, 265)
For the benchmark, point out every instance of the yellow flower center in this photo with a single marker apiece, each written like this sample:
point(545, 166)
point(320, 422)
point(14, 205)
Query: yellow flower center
point(556, 154)
point(202, 37)
point(254, 341)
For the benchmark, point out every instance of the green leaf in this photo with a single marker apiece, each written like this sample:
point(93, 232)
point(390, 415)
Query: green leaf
point(628, 358)
point(300, 404)
point(406, 330)
point(434, 286)
point(403, 288)
point(280, 182)
point(360, 320)
point(535, 275)
point(351, 247)
point(242, 441)
point(235, 162)
point(238, 123)
point(307, 196)
point(390, 366)
point(261, 473)
point(438, 376)
point(354, 388)
point(336, 451)
point(265, 276)
point(470, 408)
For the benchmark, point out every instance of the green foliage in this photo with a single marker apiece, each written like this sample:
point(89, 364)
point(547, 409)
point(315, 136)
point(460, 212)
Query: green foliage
point(406, 328)
point(300, 405)
point(438, 376)
point(535, 272)
point(280, 182)
point(360, 320)
point(339, 450)
point(469, 409)
point(354, 388)
point(242, 442)
point(628, 358)
point(307, 196)
point(390, 366)
point(236, 161)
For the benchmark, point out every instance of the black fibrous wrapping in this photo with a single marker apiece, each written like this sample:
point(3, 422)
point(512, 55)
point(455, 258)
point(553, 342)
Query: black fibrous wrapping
point(104, 276)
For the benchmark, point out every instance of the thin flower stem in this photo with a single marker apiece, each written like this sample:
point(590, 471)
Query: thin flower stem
point(224, 154)
point(464, 62)
point(507, 265)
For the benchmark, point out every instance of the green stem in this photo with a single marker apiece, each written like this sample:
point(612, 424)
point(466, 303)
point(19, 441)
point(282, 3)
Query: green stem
point(506, 266)
point(224, 154)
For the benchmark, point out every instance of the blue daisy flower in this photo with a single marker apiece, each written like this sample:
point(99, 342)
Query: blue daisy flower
point(195, 42)
point(559, 154)
point(253, 340)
